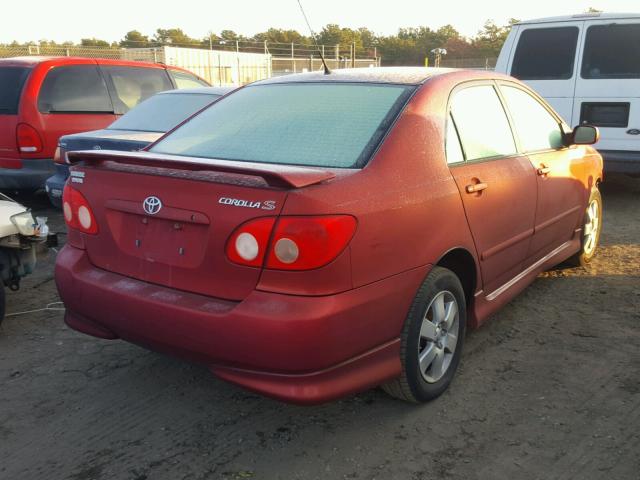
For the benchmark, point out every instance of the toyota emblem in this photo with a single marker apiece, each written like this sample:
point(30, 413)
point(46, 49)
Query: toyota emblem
point(152, 205)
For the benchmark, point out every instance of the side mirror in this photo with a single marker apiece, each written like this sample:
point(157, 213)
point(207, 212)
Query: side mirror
point(584, 135)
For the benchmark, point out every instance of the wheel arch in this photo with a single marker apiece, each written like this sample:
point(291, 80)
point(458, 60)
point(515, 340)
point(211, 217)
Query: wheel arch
point(462, 262)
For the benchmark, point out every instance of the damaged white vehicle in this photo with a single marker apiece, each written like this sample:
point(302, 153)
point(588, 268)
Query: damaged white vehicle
point(19, 236)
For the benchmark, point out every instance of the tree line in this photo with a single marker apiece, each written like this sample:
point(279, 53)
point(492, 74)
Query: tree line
point(409, 46)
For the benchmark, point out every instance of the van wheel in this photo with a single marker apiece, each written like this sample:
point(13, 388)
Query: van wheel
point(2, 302)
point(431, 339)
point(591, 228)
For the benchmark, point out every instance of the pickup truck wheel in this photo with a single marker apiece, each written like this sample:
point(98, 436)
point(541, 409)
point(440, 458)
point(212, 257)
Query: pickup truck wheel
point(432, 338)
point(591, 228)
point(2, 303)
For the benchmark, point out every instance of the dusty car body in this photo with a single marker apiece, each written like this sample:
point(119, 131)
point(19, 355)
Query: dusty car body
point(325, 262)
point(19, 236)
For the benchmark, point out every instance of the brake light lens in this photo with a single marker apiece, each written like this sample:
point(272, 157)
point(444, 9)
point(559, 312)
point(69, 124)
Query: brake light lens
point(77, 211)
point(305, 243)
point(28, 139)
point(248, 243)
point(297, 243)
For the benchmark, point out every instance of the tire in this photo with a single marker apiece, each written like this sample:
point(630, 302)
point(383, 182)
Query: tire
point(2, 302)
point(591, 228)
point(428, 352)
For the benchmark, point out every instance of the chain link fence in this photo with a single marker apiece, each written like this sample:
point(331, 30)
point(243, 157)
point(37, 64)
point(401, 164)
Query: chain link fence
point(484, 63)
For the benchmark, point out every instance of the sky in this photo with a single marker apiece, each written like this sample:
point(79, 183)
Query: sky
point(63, 20)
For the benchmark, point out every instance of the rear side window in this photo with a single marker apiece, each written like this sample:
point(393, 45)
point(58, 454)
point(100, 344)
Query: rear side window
point(319, 124)
point(11, 82)
point(74, 89)
point(161, 113)
point(545, 54)
point(132, 85)
point(537, 129)
point(612, 51)
point(482, 123)
point(186, 80)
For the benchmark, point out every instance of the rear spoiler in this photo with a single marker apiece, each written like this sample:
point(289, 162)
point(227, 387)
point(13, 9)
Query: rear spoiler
point(287, 176)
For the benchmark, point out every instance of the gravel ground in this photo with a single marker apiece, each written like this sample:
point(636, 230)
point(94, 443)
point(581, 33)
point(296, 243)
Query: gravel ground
point(549, 389)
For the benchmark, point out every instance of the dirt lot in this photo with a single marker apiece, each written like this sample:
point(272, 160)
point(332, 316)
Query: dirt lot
point(549, 389)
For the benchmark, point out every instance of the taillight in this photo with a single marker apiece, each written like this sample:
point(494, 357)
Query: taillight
point(77, 211)
point(60, 156)
point(248, 244)
point(297, 243)
point(28, 139)
point(305, 243)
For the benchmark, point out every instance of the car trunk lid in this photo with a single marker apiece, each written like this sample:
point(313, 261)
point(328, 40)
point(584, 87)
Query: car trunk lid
point(107, 139)
point(181, 242)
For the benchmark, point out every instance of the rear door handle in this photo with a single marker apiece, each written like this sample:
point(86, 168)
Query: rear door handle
point(476, 187)
point(543, 170)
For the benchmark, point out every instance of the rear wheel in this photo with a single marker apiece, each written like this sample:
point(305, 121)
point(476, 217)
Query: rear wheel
point(591, 228)
point(432, 338)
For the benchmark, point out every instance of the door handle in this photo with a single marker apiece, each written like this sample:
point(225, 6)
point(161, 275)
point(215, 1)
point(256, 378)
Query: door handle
point(476, 187)
point(543, 170)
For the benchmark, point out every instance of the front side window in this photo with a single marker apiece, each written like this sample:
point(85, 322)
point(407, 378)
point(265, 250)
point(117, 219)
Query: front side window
point(482, 123)
point(537, 129)
point(545, 54)
point(133, 85)
point(186, 80)
point(319, 124)
point(612, 51)
point(11, 82)
point(162, 112)
point(74, 89)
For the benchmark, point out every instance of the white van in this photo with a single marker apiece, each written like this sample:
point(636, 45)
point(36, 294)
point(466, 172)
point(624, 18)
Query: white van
point(588, 68)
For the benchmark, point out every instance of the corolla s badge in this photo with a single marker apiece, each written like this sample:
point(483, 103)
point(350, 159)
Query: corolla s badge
point(152, 205)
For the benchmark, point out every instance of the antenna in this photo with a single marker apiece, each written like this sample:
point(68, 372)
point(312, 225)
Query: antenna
point(315, 41)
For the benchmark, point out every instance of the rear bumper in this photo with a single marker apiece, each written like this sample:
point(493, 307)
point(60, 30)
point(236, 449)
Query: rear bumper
point(55, 184)
point(621, 161)
point(298, 349)
point(31, 176)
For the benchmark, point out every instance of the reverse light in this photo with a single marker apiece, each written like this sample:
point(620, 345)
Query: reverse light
point(77, 211)
point(28, 139)
point(248, 243)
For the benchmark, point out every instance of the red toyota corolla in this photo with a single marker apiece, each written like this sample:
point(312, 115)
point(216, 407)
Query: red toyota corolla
point(312, 236)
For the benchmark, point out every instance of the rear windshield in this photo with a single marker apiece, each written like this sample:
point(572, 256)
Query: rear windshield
point(317, 124)
point(11, 81)
point(161, 113)
point(612, 51)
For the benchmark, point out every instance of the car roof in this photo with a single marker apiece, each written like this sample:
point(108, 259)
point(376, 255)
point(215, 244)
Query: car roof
point(31, 61)
point(398, 75)
point(200, 91)
point(581, 17)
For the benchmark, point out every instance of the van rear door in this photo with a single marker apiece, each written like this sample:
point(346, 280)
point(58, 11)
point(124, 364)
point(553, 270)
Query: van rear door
point(12, 79)
point(544, 56)
point(608, 90)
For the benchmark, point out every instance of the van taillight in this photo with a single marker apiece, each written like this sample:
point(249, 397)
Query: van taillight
point(297, 242)
point(28, 139)
point(77, 211)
